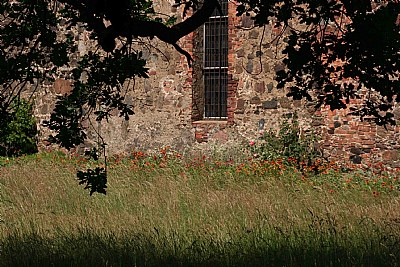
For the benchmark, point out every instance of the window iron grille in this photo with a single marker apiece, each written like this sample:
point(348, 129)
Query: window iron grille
point(215, 68)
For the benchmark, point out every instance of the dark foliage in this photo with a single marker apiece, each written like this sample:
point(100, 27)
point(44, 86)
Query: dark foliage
point(337, 51)
point(18, 130)
point(94, 180)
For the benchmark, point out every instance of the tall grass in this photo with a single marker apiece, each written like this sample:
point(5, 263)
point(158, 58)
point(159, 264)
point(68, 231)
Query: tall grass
point(165, 211)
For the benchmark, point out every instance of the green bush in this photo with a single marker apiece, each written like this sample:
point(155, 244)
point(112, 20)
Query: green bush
point(18, 130)
point(288, 144)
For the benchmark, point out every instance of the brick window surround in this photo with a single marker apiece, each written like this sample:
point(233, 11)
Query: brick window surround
point(201, 68)
point(215, 64)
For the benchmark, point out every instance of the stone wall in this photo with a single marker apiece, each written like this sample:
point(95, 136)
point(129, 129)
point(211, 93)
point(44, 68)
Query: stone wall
point(165, 104)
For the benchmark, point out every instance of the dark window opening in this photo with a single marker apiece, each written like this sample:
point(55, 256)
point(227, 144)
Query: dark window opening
point(216, 93)
point(215, 65)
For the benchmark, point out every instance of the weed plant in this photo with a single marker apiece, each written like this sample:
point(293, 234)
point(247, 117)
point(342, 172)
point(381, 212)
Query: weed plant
point(168, 210)
point(18, 130)
point(289, 144)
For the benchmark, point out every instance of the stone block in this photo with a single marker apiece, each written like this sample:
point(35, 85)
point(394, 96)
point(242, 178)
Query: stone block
point(249, 66)
point(297, 103)
point(247, 22)
point(238, 69)
point(62, 87)
point(253, 34)
point(317, 122)
point(381, 146)
point(366, 150)
point(270, 104)
point(356, 151)
point(270, 86)
point(390, 155)
point(396, 113)
point(255, 100)
point(266, 68)
point(44, 109)
point(284, 102)
point(240, 52)
point(279, 67)
point(337, 124)
point(240, 103)
point(260, 87)
point(220, 136)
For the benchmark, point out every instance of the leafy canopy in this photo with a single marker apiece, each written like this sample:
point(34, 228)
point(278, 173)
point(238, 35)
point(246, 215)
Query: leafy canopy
point(337, 51)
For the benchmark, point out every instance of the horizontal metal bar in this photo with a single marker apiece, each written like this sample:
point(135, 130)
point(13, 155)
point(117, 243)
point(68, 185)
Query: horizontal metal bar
point(218, 17)
point(214, 68)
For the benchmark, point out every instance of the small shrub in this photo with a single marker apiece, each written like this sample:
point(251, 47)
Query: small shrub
point(18, 130)
point(289, 144)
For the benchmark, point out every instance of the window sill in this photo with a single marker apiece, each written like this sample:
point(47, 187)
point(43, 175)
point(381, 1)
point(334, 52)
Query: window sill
point(216, 122)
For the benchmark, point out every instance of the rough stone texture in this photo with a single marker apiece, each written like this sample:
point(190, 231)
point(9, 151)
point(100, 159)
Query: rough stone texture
point(169, 105)
point(356, 151)
point(260, 87)
point(61, 87)
point(255, 100)
point(271, 104)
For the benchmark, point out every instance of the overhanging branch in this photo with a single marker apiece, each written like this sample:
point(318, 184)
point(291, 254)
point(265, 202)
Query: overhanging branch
point(125, 25)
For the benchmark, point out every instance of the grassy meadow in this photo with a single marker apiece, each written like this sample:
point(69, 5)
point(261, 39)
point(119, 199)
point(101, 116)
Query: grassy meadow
point(164, 210)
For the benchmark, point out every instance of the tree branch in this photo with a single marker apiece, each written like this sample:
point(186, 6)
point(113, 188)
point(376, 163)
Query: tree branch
point(126, 25)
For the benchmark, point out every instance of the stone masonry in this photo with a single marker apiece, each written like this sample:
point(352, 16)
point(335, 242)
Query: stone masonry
point(165, 104)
